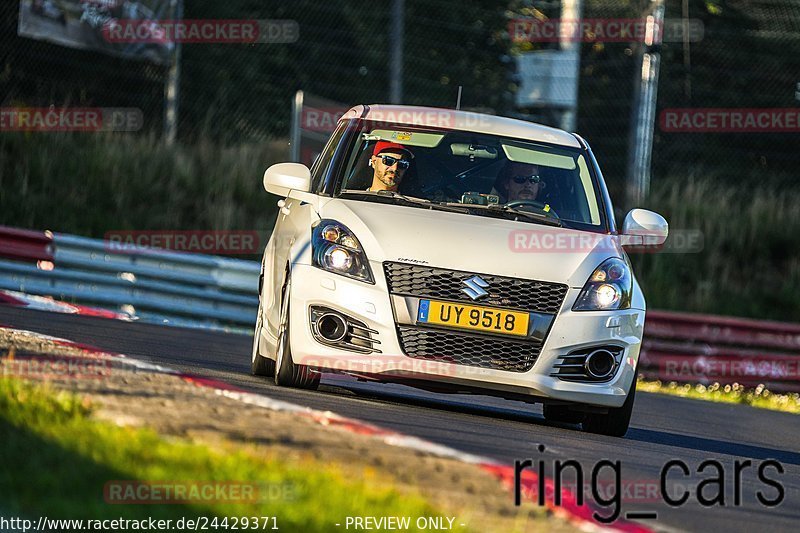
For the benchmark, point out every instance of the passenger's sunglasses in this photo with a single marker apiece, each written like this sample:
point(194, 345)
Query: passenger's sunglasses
point(389, 161)
point(522, 179)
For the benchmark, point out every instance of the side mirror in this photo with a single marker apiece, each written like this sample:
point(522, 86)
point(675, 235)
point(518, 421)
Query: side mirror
point(644, 228)
point(284, 177)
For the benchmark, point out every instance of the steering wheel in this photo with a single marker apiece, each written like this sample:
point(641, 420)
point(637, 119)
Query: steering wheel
point(533, 203)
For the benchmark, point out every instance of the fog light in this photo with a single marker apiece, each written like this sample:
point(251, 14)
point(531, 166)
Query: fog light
point(600, 364)
point(332, 327)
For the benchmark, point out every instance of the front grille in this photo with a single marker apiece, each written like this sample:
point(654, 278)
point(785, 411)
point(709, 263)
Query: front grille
point(435, 344)
point(438, 283)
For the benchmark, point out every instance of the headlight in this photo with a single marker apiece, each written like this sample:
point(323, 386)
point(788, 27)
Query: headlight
point(609, 288)
point(334, 248)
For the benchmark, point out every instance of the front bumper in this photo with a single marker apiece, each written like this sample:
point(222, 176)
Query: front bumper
point(371, 304)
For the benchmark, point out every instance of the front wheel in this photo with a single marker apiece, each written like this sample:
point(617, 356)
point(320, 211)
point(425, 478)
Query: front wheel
point(616, 422)
point(287, 373)
point(260, 365)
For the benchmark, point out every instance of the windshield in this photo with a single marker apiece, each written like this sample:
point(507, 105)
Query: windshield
point(486, 173)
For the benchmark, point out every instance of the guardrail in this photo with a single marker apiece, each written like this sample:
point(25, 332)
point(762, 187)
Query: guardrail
point(154, 285)
point(26, 245)
point(696, 348)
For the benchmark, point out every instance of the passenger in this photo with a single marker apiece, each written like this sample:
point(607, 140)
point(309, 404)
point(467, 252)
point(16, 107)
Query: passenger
point(518, 181)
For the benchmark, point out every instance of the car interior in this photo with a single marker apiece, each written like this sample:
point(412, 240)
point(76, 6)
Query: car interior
point(463, 162)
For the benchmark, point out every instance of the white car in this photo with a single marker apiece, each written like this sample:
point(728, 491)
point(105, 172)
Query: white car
point(450, 280)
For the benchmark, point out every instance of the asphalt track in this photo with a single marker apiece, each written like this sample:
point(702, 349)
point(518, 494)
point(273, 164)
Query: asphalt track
point(663, 428)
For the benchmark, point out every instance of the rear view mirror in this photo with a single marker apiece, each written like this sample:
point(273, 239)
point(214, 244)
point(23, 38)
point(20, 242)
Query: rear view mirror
point(644, 228)
point(474, 150)
point(284, 177)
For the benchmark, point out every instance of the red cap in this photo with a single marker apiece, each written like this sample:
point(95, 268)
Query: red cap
point(382, 146)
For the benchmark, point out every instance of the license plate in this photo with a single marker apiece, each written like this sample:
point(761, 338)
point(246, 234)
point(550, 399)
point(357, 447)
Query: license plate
point(473, 317)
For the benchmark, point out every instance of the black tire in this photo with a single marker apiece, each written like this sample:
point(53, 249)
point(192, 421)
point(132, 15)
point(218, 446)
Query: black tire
point(260, 365)
point(287, 373)
point(615, 423)
point(562, 414)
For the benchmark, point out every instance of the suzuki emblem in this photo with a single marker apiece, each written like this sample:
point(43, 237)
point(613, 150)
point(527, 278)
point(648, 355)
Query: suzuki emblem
point(475, 286)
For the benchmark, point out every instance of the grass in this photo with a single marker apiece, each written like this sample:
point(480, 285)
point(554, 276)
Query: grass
point(91, 184)
point(734, 393)
point(750, 262)
point(58, 459)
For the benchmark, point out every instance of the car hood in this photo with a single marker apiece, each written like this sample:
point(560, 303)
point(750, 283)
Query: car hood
point(473, 243)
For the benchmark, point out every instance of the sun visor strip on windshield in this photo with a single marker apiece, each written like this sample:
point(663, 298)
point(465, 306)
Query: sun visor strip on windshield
point(533, 157)
point(406, 137)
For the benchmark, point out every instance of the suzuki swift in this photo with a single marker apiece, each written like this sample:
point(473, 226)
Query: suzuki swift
point(455, 252)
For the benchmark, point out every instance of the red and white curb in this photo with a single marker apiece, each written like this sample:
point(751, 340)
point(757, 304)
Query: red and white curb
point(51, 305)
point(578, 515)
point(43, 303)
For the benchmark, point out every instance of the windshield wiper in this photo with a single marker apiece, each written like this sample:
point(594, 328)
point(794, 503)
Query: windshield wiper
point(499, 208)
point(545, 219)
point(422, 202)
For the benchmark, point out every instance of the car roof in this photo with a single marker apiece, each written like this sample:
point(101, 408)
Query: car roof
point(463, 121)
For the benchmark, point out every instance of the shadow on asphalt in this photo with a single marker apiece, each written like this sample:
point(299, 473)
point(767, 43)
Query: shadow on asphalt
point(712, 445)
point(453, 403)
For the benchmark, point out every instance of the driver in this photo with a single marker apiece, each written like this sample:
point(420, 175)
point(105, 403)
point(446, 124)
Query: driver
point(389, 163)
point(519, 181)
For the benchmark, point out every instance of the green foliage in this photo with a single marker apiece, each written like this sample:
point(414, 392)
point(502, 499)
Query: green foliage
point(91, 184)
point(62, 460)
point(750, 262)
point(759, 397)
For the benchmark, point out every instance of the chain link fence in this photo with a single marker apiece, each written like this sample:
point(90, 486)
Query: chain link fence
point(39, 74)
point(749, 57)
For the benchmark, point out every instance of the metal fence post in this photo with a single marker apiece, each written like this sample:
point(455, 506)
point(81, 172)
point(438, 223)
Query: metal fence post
point(172, 86)
point(397, 24)
point(644, 109)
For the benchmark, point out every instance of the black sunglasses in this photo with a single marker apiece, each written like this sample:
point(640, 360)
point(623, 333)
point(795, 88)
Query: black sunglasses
point(522, 179)
point(390, 161)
